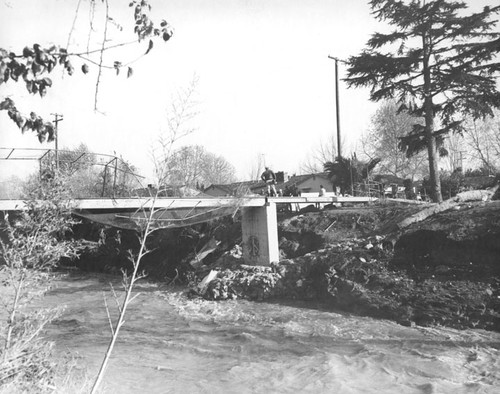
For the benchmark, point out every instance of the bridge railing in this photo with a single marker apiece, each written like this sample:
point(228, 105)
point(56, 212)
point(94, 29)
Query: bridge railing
point(191, 202)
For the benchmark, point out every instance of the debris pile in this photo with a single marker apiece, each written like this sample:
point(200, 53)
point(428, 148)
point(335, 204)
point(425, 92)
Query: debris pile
point(423, 277)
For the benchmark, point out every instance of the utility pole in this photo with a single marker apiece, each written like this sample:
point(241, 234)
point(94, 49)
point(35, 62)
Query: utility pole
point(337, 108)
point(57, 119)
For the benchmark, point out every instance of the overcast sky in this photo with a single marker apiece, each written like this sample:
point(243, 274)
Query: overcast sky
point(266, 85)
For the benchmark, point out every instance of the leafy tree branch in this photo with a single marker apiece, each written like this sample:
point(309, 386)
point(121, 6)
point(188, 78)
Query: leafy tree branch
point(33, 65)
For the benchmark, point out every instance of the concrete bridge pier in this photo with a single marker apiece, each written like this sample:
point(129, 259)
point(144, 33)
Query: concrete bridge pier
point(260, 234)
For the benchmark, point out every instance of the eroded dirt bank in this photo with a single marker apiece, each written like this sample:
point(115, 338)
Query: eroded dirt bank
point(443, 270)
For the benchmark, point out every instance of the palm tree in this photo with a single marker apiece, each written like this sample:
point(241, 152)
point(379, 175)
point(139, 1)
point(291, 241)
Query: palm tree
point(345, 172)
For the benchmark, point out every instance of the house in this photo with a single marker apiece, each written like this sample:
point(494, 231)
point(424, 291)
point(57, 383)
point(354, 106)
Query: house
point(219, 190)
point(231, 189)
point(309, 183)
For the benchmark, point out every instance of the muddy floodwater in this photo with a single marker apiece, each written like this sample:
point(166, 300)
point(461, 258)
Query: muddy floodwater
point(171, 344)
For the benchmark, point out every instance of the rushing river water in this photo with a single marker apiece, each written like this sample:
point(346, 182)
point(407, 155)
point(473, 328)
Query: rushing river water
point(171, 344)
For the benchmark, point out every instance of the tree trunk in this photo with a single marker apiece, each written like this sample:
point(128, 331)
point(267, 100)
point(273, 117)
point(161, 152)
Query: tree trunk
point(471, 195)
point(429, 124)
point(432, 153)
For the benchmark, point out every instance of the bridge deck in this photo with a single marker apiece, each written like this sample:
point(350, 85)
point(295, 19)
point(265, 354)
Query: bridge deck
point(188, 202)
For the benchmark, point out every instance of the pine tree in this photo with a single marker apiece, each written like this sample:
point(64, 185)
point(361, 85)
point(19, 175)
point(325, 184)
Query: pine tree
point(440, 65)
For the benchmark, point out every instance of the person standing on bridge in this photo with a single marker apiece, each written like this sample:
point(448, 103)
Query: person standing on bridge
point(322, 193)
point(269, 178)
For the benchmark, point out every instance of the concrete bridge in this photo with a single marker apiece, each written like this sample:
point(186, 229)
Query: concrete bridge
point(259, 215)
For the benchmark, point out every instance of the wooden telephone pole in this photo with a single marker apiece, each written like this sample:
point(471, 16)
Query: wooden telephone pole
point(337, 106)
point(57, 119)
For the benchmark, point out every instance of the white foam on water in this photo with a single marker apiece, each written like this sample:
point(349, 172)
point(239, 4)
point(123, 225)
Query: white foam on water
point(170, 343)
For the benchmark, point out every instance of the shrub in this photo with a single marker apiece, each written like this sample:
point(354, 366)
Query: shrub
point(36, 240)
point(451, 184)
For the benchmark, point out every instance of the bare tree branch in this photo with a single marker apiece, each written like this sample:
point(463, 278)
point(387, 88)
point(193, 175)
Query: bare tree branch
point(104, 39)
point(325, 151)
point(73, 24)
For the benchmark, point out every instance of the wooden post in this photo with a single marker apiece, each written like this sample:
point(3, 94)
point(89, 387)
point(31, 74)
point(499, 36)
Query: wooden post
point(104, 180)
point(114, 178)
point(57, 119)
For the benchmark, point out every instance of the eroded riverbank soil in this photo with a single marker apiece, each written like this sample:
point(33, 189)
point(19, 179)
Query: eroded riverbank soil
point(444, 270)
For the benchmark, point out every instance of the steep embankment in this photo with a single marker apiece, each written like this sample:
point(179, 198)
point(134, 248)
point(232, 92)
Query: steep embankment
point(442, 270)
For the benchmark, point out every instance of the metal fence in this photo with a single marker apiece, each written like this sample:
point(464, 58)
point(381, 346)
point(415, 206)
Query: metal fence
point(108, 176)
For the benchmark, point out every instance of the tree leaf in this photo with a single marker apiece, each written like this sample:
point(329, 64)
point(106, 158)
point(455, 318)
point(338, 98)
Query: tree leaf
point(21, 121)
point(6, 74)
point(26, 126)
point(37, 68)
point(49, 128)
point(6, 104)
point(68, 66)
point(150, 46)
point(28, 52)
point(28, 75)
point(117, 66)
point(85, 68)
point(130, 72)
point(166, 36)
